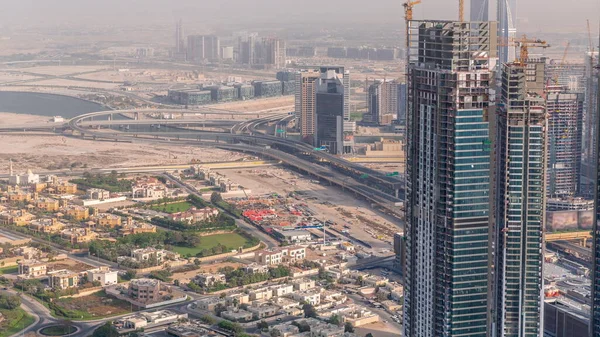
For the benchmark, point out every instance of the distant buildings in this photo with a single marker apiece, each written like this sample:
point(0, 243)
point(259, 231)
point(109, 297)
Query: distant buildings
point(63, 279)
point(144, 290)
point(305, 102)
point(264, 53)
point(23, 179)
point(203, 48)
point(382, 101)
point(365, 53)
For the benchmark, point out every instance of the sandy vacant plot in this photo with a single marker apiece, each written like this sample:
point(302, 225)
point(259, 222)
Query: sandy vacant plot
point(72, 265)
point(50, 152)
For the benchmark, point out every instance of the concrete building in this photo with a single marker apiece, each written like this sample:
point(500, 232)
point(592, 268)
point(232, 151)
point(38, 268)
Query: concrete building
point(97, 194)
point(303, 284)
point(23, 179)
point(565, 124)
point(151, 253)
point(103, 275)
point(107, 220)
point(144, 290)
point(47, 204)
point(16, 217)
point(46, 225)
point(595, 286)
point(136, 227)
point(32, 268)
point(203, 48)
point(63, 279)
point(237, 315)
point(590, 116)
point(77, 213)
point(382, 101)
point(78, 235)
point(209, 280)
point(564, 318)
point(450, 69)
point(305, 102)
point(293, 236)
point(518, 196)
point(267, 88)
point(255, 268)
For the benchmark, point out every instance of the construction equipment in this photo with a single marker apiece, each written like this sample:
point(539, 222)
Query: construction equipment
point(461, 10)
point(563, 61)
point(524, 44)
point(408, 9)
point(591, 42)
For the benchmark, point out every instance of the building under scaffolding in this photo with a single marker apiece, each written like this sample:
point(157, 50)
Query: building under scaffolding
point(448, 171)
point(565, 119)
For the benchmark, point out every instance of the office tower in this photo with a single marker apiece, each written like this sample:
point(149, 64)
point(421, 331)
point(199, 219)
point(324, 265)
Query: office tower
point(246, 49)
point(448, 175)
point(401, 104)
point(518, 195)
point(595, 286)
point(329, 121)
point(305, 102)
point(179, 42)
point(275, 52)
point(507, 30)
point(203, 48)
point(382, 101)
point(590, 117)
point(480, 10)
point(565, 119)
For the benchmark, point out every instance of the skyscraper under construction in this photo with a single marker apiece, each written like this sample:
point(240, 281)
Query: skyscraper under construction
point(448, 177)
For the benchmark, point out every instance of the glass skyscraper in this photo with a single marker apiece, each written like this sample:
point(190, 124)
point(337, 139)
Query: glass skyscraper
point(518, 214)
point(448, 178)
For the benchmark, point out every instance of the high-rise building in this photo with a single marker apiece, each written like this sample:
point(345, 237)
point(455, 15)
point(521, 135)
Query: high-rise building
point(305, 102)
point(595, 288)
point(203, 48)
point(275, 50)
point(518, 197)
point(179, 42)
point(382, 101)
point(329, 126)
point(565, 119)
point(569, 75)
point(590, 117)
point(448, 176)
point(507, 30)
point(480, 10)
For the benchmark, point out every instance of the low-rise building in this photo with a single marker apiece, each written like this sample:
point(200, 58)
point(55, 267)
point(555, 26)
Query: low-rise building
point(47, 204)
point(303, 284)
point(360, 317)
point(32, 268)
point(209, 303)
point(153, 254)
point(190, 329)
point(293, 236)
point(136, 227)
point(79, 235)
point(46, 225)
point(237, 315)
point(18, 196)
point(263, 311)
point(208, 280)
point(277, 256)
point(283, 330)
point(97, 194)
point(16, 217)
point(65, 187)
point(194, 215)
point(77, 213)
point(286, 303)
point(263, 293)
point(144, 290)
point(103, 275)
point(282, 289)
point(255, 268)
point(312, 296)
point(29, 253)
point(63, 279)
point(107, 220)
point(150, 319)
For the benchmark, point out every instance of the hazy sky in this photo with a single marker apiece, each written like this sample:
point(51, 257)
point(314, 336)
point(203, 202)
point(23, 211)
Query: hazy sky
point(533, 14)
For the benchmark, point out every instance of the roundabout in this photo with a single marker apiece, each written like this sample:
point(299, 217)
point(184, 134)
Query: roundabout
point(58, 330)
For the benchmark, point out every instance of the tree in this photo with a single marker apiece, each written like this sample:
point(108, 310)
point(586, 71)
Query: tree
point(262, 325)
point(369, 335)
point(309, 311)
point(334, 319)
point(197, 262)
point(208, 319)
point(348, 327)
point(215, 197)
point(107, 330)
point(10, 302)
point(219, 308)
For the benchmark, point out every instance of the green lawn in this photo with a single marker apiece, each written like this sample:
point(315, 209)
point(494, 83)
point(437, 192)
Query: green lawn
point(173, 208)
point(9, 270)
point(58, 330)
point(15, 321)
point(231, 241)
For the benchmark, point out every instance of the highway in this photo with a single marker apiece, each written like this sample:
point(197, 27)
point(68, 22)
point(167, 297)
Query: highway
point(259, 143)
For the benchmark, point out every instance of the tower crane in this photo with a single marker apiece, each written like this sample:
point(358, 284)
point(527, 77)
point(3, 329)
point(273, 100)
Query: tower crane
point(524, 44)
point(563, 61)
point(408, 9)
point(461, 10)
